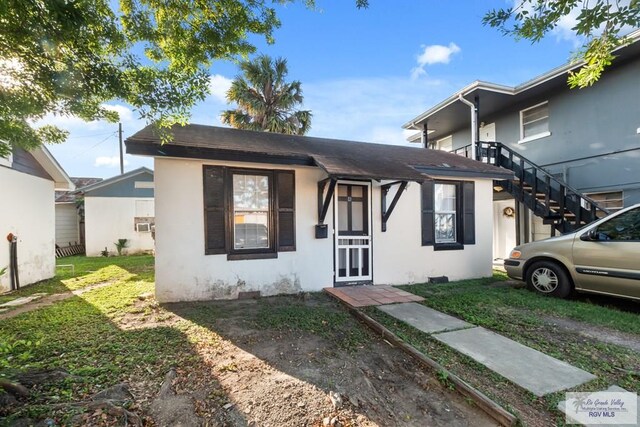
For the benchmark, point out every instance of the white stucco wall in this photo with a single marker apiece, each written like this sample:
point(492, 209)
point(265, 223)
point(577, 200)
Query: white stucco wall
point(27, 210)
point(399, 257)
point(67, 224)
point(504, 233)
point(108, 219)
point(184, 272)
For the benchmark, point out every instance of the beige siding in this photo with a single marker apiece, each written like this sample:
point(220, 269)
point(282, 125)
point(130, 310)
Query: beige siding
point(66, 224)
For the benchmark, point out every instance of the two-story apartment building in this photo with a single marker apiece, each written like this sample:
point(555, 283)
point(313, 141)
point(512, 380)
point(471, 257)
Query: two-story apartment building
point(587, 140)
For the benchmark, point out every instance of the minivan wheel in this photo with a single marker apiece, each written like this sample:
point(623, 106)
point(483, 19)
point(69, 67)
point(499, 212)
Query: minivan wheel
point(549, 278)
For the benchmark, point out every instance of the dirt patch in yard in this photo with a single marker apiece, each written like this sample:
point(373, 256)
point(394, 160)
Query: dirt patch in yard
point(598, 333)
point(277, 363)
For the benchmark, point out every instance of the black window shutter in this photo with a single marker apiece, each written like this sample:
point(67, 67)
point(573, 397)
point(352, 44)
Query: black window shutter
point(468, 213)
point(214, 210)
point(286, 210)
point(427, 218)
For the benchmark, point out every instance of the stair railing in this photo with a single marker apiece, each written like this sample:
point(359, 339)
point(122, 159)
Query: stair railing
point(568, 198)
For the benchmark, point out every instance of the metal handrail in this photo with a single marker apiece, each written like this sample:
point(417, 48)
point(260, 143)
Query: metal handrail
point(501, 146)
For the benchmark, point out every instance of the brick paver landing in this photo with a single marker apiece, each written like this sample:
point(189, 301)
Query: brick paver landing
point(362, 296)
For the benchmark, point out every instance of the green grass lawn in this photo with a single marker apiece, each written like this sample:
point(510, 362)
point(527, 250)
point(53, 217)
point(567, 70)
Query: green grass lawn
point(81, 335)
point(116, 333)
point(525, 316)
point(87, 272)
point(476, 302)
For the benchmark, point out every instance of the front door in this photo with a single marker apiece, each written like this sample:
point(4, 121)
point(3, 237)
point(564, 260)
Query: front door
point(488, 133)
point(352, 234)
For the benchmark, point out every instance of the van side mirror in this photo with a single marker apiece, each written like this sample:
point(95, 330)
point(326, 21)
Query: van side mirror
point(591, 235)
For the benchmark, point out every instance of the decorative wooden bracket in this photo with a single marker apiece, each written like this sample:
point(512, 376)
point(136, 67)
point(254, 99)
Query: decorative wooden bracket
point(386, 213)
point(323, 205)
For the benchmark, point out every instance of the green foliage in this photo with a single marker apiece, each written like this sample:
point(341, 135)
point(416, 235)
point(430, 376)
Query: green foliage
point(334, 325)
point(599, 23)
point(3, 270)
point(14, 351)
point(121, 244)
point(266, 102)
point(67, 58)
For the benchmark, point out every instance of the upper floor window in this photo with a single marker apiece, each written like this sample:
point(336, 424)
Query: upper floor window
point(612, 200)
point(534, 122)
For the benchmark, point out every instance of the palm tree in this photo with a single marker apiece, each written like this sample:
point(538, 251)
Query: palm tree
point(266, 102)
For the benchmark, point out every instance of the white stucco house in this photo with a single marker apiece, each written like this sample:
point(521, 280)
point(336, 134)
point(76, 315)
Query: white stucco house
point(240, 212)
point(121, 207)
point(28, 180)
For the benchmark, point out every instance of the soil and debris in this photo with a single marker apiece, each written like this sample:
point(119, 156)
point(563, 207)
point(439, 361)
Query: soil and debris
point(254, 366)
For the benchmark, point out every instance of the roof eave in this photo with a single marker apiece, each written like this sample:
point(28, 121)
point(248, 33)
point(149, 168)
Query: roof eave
point(113, 180)
point(61, 180)
point(634, 37)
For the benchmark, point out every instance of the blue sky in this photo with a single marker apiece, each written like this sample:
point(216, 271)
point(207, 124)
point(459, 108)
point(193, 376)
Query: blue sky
point(363, 72)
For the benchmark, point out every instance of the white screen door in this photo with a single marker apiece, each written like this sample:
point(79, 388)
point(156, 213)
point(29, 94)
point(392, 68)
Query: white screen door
point(353, 233)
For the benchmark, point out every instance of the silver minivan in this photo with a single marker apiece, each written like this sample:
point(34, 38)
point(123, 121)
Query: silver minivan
point(602, 257)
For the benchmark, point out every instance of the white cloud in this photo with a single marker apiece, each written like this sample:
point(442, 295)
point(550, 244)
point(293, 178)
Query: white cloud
point(110, 162)
point(218, 86)
point(437, 54)
point(125, 113)
point(433, 54)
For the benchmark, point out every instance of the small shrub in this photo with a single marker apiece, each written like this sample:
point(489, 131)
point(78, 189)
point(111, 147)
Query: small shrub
point(120, 245)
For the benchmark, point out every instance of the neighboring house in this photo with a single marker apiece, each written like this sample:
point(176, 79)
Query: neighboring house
point(28, 181)
point(70, 214)
point(587, 140)
point(121, 207)
point(245, 213)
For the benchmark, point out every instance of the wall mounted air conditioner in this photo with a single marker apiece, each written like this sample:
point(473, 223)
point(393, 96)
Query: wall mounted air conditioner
point(143, 227)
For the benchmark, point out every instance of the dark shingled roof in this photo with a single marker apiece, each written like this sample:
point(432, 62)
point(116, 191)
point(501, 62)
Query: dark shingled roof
point(340, 159)
point(71, 196)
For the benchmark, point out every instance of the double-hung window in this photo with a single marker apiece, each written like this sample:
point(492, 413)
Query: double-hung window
point(448, 214)
point(534, 122)
point(249, 213)
point(445, 213)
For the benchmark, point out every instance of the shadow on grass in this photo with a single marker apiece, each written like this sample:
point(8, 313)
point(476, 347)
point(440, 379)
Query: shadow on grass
point(313, 339)
point(79, 335)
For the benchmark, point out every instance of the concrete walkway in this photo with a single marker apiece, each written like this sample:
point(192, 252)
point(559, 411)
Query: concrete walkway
point(529, 368)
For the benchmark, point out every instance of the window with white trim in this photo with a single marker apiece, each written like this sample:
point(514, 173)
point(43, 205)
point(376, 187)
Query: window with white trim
point(612, 200)
point(251, 211)
point(445, 213)
point(534, 122)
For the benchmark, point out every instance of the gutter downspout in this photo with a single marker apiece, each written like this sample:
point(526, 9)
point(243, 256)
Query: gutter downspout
point(474, 124)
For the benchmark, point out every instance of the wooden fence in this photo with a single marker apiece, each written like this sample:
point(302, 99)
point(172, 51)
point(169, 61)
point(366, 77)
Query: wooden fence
point(69, 250)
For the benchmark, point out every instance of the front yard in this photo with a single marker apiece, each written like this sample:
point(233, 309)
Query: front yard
point(266, 361)
point(600, 335)
point(276, 360)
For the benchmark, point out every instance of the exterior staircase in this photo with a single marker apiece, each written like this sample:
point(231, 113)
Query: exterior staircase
point(552, 199)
